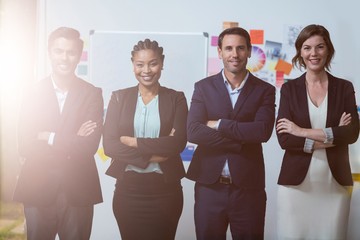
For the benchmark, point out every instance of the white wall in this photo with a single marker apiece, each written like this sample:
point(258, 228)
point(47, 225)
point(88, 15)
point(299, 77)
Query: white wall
point(207, 16)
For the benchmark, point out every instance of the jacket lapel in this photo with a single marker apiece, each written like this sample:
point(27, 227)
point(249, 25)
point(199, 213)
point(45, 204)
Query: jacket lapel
point(219, 83)
point(245, 92)
point(303, 99)
point(73, 99)
point(331, 100)
point(48, 107)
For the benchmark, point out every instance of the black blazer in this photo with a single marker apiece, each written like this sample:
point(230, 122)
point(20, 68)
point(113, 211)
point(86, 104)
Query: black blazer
point(70, 162)
point(240, 133)
point(120, 122)
point(294, 106)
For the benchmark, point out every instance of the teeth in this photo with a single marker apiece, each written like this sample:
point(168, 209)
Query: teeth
point(63, 66)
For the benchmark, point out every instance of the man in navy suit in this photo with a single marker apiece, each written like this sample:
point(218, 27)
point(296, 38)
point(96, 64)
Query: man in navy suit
point(231, 114)
point(59, 132)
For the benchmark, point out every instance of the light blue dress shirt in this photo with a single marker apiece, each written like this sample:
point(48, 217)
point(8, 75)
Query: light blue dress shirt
point(146, 125)
point(234, 95)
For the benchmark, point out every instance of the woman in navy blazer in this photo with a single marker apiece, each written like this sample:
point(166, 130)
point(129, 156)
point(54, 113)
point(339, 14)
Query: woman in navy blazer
point(144, 134)
point(317, 120)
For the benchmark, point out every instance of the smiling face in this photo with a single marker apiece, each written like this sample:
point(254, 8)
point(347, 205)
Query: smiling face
point(147, 67)
point(314, 53)
point(64, 56)
point(234, 53)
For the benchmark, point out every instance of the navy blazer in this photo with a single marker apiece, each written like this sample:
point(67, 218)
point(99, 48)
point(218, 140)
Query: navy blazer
point(120, 122)
point(69, 162)
point(239, 135)
point(294, 106)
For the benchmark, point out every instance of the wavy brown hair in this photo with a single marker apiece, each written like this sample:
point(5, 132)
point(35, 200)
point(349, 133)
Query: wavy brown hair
point(306, 33)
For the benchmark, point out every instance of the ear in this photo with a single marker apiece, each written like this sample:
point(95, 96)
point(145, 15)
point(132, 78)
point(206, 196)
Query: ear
point(250, 51)
point(79, 57)
point(219, 52)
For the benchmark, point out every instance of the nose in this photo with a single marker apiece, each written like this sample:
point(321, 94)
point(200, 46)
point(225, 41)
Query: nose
point(313, 51)
point(235, 53)
point(147, 69)
point(64, 56)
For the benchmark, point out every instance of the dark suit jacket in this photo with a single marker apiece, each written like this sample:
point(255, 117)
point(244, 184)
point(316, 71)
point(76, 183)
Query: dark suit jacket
point(69, 164)
point(120, 122)
point(294, 106)
point(240, 133)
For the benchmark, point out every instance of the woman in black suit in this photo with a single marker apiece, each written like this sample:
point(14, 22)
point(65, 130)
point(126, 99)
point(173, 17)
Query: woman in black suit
point(144, 134)
point(317, 120)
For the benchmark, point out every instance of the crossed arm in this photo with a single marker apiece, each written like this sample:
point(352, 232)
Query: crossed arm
point(319, 137)
point(85, 130)
point(132, 142)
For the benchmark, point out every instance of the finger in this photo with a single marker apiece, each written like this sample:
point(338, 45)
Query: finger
point(89, 124)
point(86, 123)
point(90, 127)
point(89, 132)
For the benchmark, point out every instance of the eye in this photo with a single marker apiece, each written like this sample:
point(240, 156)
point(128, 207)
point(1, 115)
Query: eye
point(73, 53)
point(57, 51)
point(154, 64)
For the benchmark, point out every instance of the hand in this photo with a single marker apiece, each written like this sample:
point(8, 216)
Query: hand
point(157, 159)
point(286, 126)
point(87, 128)
point(345, 119)
point(172, 132)
point(43, 136)
point(129, 141)
point(212, 124)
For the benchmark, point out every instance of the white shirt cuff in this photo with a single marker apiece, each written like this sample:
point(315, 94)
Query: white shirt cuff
point(329, 135)
point(309, 145)
point(51, 138)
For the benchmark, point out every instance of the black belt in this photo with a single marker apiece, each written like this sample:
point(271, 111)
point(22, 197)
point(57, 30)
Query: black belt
point(225, 180)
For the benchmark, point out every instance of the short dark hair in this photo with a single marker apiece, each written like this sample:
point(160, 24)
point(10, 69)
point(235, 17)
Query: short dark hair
point(235, 31)
point(67, 33)
point(306, 33)
point(147, 44)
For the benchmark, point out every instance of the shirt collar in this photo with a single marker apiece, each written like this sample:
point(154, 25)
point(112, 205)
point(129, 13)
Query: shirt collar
point(226, 81)
point(56, 88)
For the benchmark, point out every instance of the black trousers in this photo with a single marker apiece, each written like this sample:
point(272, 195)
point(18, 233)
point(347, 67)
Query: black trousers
point(145, 207)
point(69, 222)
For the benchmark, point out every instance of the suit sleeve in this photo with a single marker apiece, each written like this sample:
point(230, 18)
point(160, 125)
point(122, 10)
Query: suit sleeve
point(348, 134)
point(169, 145)
point(199, 133)
point(115, 115)
point(288, 141)
point(260, 127)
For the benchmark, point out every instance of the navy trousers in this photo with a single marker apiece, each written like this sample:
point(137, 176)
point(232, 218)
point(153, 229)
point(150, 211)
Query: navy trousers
point(69, 222)
point(218, 206)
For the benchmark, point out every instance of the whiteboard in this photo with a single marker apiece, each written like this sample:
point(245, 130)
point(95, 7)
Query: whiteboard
point(110, 64)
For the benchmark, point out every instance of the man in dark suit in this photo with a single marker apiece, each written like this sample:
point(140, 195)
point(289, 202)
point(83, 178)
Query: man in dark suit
point(231, 114)
point(59, 132)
